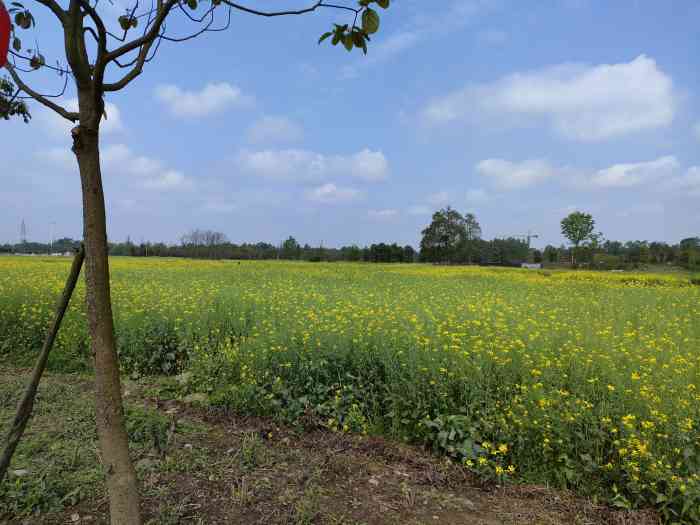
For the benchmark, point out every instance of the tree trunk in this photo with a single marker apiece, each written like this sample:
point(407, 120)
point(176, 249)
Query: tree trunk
point(122, 484)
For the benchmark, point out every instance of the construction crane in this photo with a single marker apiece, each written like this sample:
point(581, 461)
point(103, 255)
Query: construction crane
point(527, 237)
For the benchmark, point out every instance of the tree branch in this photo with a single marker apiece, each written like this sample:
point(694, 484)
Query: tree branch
point(145, 42)
point(55, 9)
point(147, 38)
point(69, 115)
point(275, 13)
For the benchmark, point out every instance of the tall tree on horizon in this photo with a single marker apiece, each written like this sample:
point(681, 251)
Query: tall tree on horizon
point(577, 227)
point(444, 235)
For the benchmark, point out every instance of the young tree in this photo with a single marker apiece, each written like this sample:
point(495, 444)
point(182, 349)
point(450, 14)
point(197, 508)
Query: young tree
point(99, 61)
point(443, 236)
point(472, 230)
point(577, 227)
point(290, 249)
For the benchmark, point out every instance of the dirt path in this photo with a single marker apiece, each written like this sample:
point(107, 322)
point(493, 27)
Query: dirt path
point(199, 465)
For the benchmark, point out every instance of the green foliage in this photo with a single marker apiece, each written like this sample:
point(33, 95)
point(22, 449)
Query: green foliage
point(147, 427)
point(9, 105)
point(153, 349)
point(443, 236)
point(549, 364)
point(352, 36)
point(603, 261)
point(577, 227)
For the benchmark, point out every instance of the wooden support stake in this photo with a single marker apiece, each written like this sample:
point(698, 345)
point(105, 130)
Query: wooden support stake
point(25, 406)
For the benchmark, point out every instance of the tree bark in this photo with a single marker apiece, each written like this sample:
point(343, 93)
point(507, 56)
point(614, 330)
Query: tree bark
point(122, 483)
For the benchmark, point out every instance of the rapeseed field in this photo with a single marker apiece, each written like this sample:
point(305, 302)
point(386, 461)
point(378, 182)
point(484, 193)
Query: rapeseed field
point(584, 380)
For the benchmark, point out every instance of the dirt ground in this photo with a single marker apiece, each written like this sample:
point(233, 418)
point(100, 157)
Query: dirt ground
point(204, 466)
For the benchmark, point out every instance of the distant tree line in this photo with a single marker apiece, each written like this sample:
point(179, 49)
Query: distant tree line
point(58, 246)
point(207, 244)
point(450, 238)
point(610, 255)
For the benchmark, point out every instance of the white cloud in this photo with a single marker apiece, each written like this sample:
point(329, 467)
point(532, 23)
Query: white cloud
point(477, 195)
point(580, 102)
point(330, 193)
point(168, 180)
point(290, 164)
point(120, 163)
point(441, 198)
point(147, 172)
point(508, 175)
point(368, 165)
point(58, 127)
point(634, 174)
point(274, 130)
point(419, 210)
point(383, 214)
point(307, 166)
point(212, 98)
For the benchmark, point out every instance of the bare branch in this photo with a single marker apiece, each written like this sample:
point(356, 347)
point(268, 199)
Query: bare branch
point(147, 38)
point(55, 8)
point(154, 33)
point(57, 95)
point(15, 55)
point(69, 115)
point(276, 13)
point(101, 37)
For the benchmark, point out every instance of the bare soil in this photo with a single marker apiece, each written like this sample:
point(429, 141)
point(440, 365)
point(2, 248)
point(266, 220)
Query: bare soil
point(205, 466)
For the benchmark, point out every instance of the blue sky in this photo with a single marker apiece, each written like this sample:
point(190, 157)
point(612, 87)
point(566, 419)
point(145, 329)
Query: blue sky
point(519, 112)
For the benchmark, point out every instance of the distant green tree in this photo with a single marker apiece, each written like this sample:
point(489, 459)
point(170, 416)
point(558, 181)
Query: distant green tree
point(290, 249)
point(577, 227)
point(443, 236)
point(551, 254)
point(469, 249)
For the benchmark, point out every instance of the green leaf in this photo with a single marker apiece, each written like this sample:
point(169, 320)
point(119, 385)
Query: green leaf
point(370, 21)
point(383, 3)
point(347, 41)
point(336, 38)
point(192, 4)
point(358, 39)
point(124, 22)
point(16, 44)
point(324, 36)
point(37, 61)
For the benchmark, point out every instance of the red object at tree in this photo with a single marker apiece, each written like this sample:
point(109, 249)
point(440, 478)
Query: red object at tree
point(4, 33)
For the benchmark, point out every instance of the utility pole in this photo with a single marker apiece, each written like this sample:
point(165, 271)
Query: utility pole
point(528, 238)
point(51, 226)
